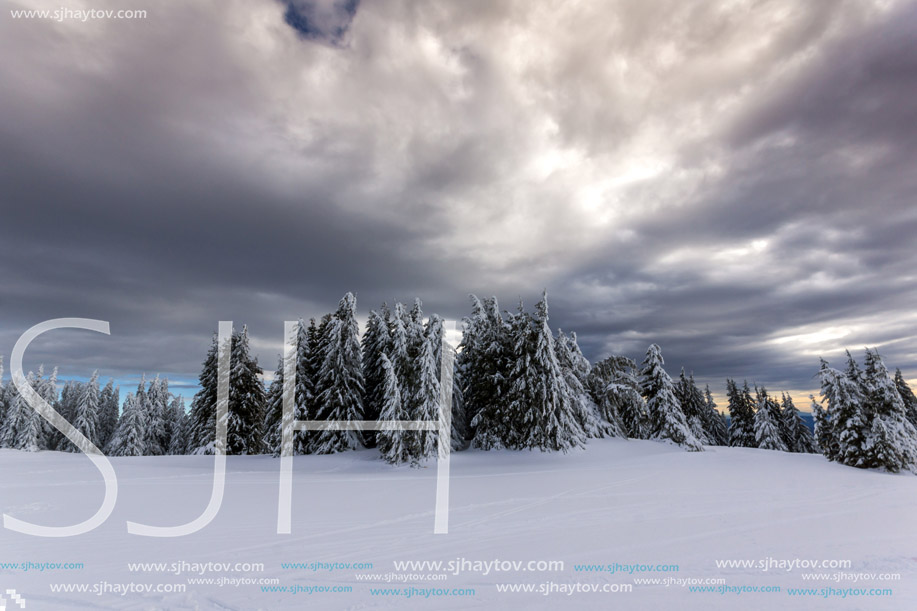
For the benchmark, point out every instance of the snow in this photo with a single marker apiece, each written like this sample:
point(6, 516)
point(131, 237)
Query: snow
point(616, 501)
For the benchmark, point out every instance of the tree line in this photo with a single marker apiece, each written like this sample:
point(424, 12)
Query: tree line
point(516, 385)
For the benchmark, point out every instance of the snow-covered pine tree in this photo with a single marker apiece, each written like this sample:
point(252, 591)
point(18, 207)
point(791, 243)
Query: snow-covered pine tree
point(339, 389)
point(158, 426)
point(467, 355)
point(178, 442)
point(246, 400)
point(399, 353)
point(893, 438)
point(9, 399)
point(487, 352)
point(24, 430)
point(375, 343)
point(3, 405)
point(615, 388)
point(415, 386)
point(799, 437)
point(303, 398)
point(667, 421)
point(109, 411)
point(393, 445)
point(245, 410)
point(512, 429)
point(8, 425)
point(435, 332)
point(854, 373)
point(461, 438)
point(86, 419)
point(541, 413)
point(849, 427)
point(692, 404)
point(142, 403)
point(425, 404)
point(907, 396)
point(66, 406)
point(767, 423)
point(575, 372)
point(714, 421)
point(309, 365)
point(49, 390)
point(785, 423)
point(130, 437)
point(202, 419)
point(824, 432)
point(741, 416)
point(170, 416)
point(273, 419)
point(591, 418)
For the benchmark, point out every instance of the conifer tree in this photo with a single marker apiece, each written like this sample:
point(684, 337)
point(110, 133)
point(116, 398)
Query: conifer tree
point(798, 436)
point(467, 359)
point(907, 396)
point(304, 390)
point(541, 412)
point(178, 443)
point(394, 445)
point(303, 395)
point(488, 363)
point(86, 419)
point(339, 389)
point(667, 420)
point(575, 372)
point(714, 422)
point(375, 344)
point(3, 405)
point(854, 373)
point(849, 428)
point(399, 346)
point(130, 437)
point(892, 444)
point(273, 422)
point(615, 388)
point(785, 423)
point(426, 402)
point(435, 333)
point(158, 422)
point(24, 430)
point(824, 431)
point(741, 415)
point(692, 404)
point(202, 425)
point(109, 411)
point(246, 400)
point(246, 407)
point(8, 426)
point(49, 390)
point(410, 382)
point(66, 406)
point(767, 423)
point(310, 366)
point(143, 406)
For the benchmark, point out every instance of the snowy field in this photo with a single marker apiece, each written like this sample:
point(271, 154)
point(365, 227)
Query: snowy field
point(618, 502)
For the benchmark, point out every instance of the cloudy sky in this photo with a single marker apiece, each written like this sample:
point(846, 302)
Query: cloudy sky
point(734, 181)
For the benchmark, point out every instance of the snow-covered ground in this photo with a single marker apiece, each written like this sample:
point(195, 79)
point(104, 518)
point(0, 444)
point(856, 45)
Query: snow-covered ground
point(624, 502)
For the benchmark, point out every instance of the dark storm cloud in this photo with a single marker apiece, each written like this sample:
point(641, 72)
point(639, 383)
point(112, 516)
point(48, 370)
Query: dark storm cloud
point(731, 181)
point(326, 21)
